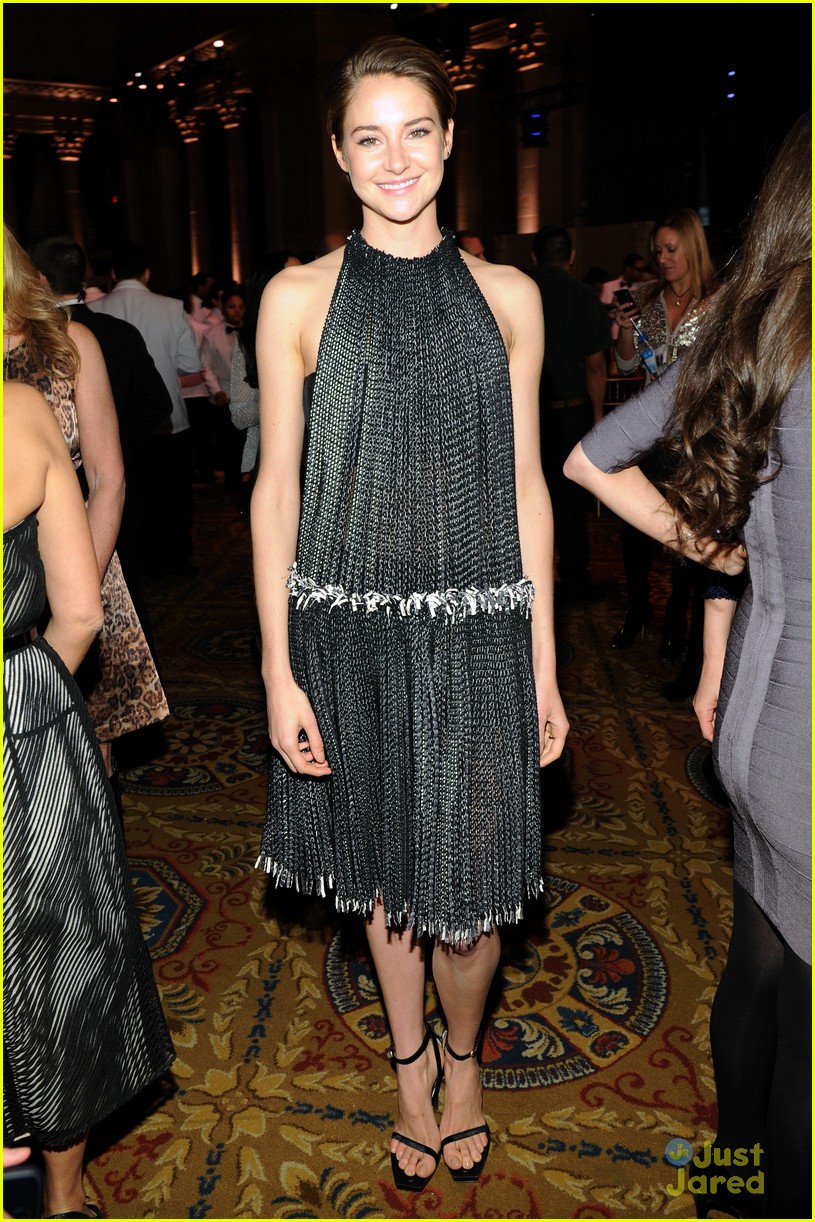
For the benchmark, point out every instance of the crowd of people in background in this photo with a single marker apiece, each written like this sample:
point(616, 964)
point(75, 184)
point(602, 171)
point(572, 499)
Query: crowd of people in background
point(187, 405)
point(154, 394)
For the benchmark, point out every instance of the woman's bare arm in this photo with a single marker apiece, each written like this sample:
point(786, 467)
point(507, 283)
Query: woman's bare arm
point(40, 478)
point(275, 512)
point(630, 495)
point(99, 445)
point(719, 614)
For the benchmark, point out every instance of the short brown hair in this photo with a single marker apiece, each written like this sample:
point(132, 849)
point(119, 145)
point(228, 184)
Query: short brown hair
point(387, 56)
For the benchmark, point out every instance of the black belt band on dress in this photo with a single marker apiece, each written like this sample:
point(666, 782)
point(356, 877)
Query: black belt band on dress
point(557, 403)
point(10, 643)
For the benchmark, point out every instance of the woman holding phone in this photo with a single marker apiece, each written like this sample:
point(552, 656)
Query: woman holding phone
point(735, 416)
point(667, 313)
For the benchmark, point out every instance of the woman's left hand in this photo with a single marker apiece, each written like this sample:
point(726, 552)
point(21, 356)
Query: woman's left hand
point(706, 699)
point(552, 721)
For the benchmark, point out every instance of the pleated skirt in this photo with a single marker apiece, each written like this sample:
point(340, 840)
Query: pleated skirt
point(84, 1030)
point(433, 805)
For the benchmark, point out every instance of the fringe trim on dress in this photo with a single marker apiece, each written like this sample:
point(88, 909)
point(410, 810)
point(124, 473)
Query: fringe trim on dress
point(283, 877)
point(454, 603)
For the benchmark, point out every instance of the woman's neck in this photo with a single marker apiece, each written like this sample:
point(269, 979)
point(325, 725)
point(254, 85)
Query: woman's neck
point(679, 290)
point(411, 240)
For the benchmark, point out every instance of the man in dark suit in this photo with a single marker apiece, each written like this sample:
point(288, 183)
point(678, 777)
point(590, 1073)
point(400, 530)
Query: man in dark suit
point(572, 392)
point(143, 403)
point(173, 346)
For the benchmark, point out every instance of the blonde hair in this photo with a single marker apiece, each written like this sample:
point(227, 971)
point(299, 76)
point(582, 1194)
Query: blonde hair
point(30, 310)
point(686, 223)
point(756, 338)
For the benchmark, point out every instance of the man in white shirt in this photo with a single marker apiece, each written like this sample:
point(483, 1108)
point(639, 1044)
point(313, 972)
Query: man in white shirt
point(197, 390)
point(173, 347)
point(216, 350)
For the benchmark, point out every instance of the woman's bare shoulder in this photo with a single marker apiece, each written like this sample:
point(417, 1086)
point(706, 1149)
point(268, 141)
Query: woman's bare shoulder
point(25, 408)
point(32, 441)
point(29, 419)
point(297, 301)
point(82, 336)
point(511, 294)
point(299, 287)
point(504, 280)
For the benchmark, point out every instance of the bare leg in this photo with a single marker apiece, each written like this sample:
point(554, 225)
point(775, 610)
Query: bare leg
point(64, 1189)
point(399, 961)
point(463, 975)
point(107, 756)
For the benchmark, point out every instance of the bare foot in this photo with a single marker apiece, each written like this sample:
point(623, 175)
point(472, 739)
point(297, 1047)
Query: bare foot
point(462, 1111)
point(415, 1118)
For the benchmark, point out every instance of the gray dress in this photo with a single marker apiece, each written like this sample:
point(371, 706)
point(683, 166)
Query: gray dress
point(762, 745)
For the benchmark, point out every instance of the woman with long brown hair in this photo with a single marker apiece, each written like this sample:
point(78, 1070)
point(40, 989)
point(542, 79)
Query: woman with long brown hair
point(62, 359)
point(735, 418)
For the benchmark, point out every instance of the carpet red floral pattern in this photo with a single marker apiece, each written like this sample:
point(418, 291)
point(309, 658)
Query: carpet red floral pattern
point(595, 1051)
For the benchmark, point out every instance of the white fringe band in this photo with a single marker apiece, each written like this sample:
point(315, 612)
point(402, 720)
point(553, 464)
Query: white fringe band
point(455, 604)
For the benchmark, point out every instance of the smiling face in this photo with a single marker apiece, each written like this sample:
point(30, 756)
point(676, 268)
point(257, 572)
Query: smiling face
point(670, 255)
point(393, 147)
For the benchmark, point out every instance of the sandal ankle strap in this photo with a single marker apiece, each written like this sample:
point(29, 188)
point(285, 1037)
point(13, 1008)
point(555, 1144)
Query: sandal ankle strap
point(460, 1056)
point(395, 1060)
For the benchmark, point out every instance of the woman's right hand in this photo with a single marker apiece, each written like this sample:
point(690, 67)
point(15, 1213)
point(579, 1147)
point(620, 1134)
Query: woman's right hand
point(622, 316)
point(293, 730)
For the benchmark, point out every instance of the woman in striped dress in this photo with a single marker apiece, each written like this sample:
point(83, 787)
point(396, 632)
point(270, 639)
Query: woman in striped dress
point(84, 1030)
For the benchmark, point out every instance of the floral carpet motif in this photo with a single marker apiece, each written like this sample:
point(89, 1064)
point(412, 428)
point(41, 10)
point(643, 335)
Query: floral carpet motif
point(576, 998)
point(210, 744)
point(595, 1051)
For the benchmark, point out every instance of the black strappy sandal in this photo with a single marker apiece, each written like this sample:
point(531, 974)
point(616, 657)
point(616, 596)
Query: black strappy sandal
point(466, 1175)
point(403, 1181)
point(91, 1210)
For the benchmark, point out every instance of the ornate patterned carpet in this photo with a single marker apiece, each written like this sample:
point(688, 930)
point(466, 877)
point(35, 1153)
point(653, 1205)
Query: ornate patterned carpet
point(596, 1050)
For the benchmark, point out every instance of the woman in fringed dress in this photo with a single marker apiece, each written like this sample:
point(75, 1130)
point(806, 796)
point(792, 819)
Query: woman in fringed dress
point(410, 679)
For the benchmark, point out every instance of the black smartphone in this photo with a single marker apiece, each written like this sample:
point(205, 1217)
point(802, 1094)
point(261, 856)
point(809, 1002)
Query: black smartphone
point(626, 301)
point(624, 298)
point(23, 1191)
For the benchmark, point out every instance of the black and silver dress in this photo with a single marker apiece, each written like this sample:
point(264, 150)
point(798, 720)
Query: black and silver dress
point(409, 618)
point(83, 1028)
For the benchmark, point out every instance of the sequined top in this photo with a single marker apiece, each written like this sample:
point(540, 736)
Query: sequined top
point(667, 344)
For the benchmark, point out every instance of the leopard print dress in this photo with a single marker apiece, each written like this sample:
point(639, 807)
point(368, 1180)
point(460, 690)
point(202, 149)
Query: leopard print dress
point(120, 681)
